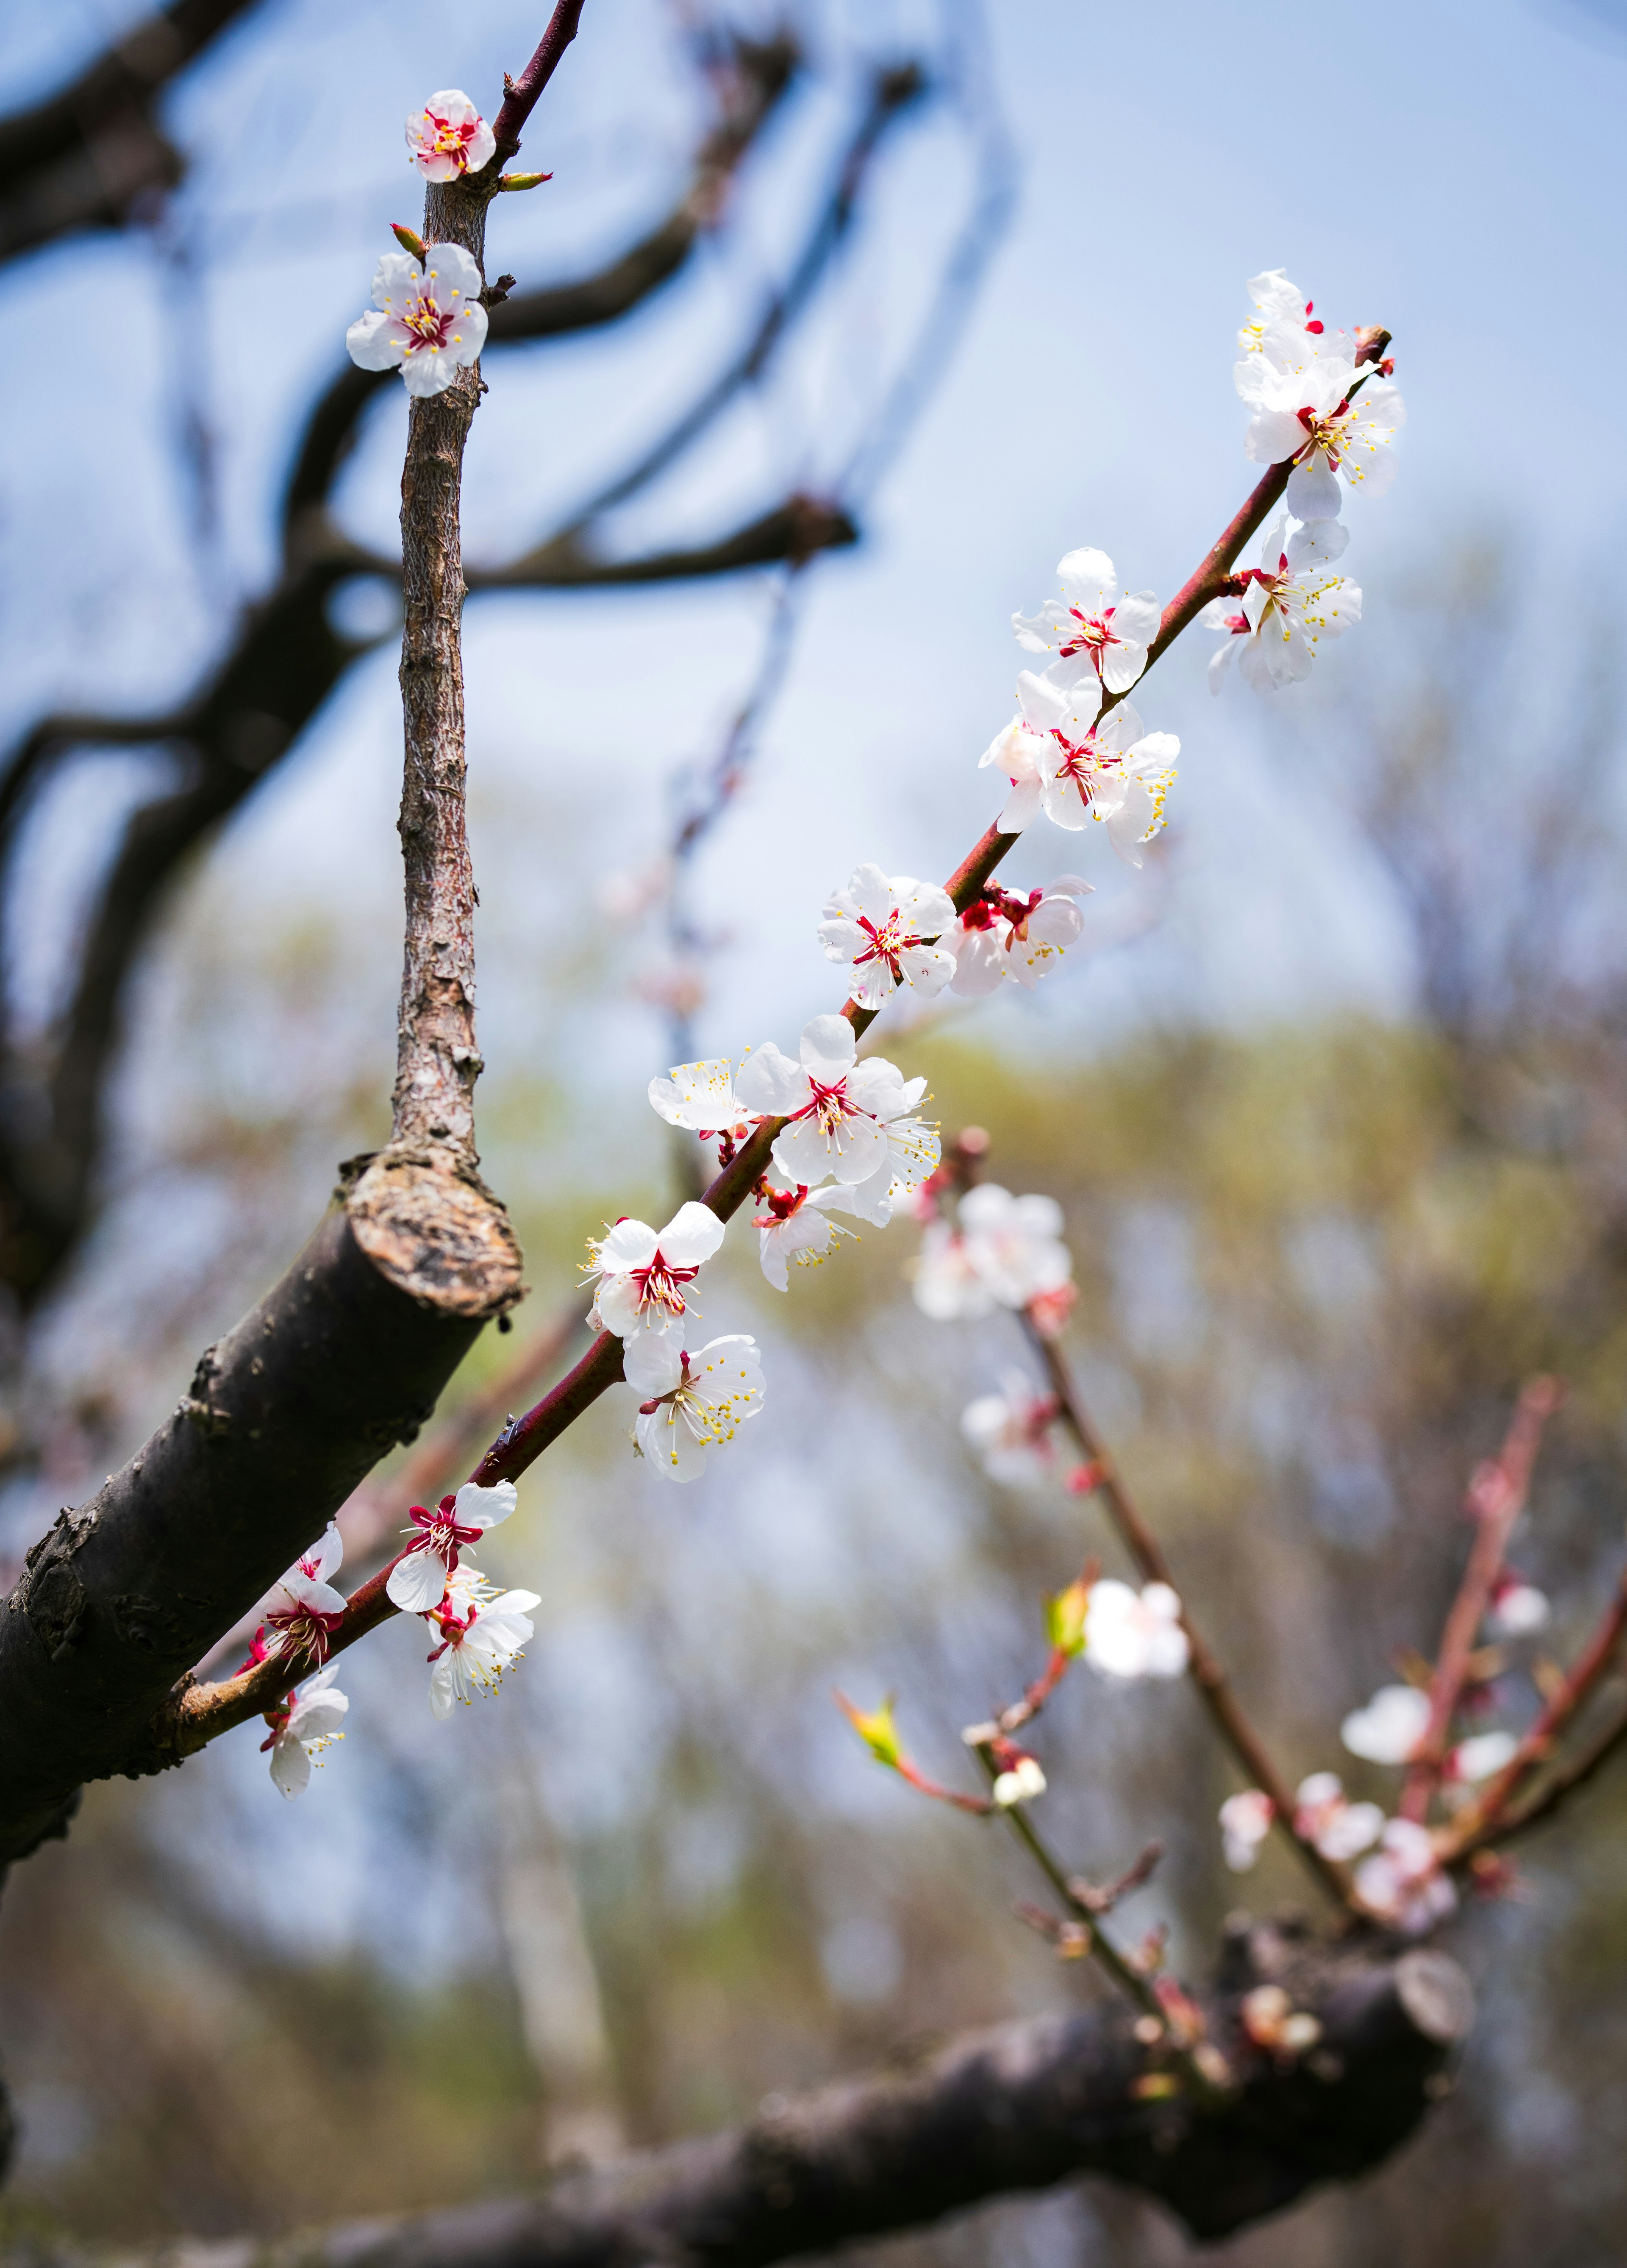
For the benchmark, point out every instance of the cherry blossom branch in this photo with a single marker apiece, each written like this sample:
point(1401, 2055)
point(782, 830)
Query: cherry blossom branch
point(1203, 1666)
point(1496, 1497)
point(520, 95)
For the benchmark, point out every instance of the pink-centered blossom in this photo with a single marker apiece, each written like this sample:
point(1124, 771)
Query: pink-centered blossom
point(303, 1609)
point(1003, 933)
point(795, 1224)
point(692, 1405)
point(887, 932)
point(302, 1724)
point(418, 1580)
point(1293, 600)
point(1245, 1823)
point(1131, 1634)
point(1075, 771)
point(1403, 1882)
point(644, 1273)
point(1014, 1432)
point(1325, 1815)
point(1014, 1244)
point(481, 1632)
point(842, 1112)
point(1091, 631)
point(1388, 1729)
point(448, 137)
point(1309, 415)
point(425, 322)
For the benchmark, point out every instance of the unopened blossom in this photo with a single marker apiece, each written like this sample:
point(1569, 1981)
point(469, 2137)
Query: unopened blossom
point(448, 137)
point(301, 1726)
point(303, 1609)
point(643, 1273)
point(1014, 1244)
point(1003, 933)
point(1481, 1756)
point(1091, 631)
point(887, 932)
point(481, 1632)
point(1271, 2021)
point(1245, 1823)
point(1020, 1782)
point(1012, 1430)
point(1293, 601)
point(691, 1404)
point(1388, 1731)
point(1403, 1882)
point(418, 1580)
point(1324, 1814)
point(426, 321)
point(1278, 305)
point(1518, 1608)
point(701, 1097)
point(1075, 771)
point(1131, 1634)
point(1310, 416)
point(839, 1110)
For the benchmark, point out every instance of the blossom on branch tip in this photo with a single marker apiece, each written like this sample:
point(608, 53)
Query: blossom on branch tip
point(483, 1631)
point(1134, 1634)
point(1518, 1608)
point(1003, 934)
point(643, 1272)
point(1091, 632)
point(1481, 1756)
point(1074, 770)
point(691, 1404)
point(1019, 1781)
point(448, 137)
point(1403, 1882)
point(1012, 1430)
point(418, 1580)
point(888, 932)
point(1388, 1731)
point(302, 1724)
point(1310, 416)
point(304, 1611)
point(1245, 1823)
point(1291, 602)
point(426, 321)
point(700, 1097)
point(842, 1112)
point(1324, 1814)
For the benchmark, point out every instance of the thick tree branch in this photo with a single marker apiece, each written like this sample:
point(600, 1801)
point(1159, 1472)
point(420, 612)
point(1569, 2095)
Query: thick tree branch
point(1017, 2108)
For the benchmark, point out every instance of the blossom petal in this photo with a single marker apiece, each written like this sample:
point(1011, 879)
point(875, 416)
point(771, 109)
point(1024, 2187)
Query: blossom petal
point(691, 1236)
point(290, 1765)
point(417, 1582)
point(828, 1047)
point(372, 341)
point(484, 1507)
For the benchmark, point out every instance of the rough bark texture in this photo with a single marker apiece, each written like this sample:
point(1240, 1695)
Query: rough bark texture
point(344, 1358)
point(1021, 2107)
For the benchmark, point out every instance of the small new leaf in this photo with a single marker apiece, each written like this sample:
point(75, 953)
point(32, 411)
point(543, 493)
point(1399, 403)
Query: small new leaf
point(1065, 1618)
point(523, 181)
point(409, 241)
point(876, 1729)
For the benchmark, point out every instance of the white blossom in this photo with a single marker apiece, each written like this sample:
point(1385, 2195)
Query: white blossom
point(1388, 1731)
point(701, 1097)
point(1308, 415)
point(643, 1271)
point(1518, 1609)
point(1481, 1756)
point(1020, 1783)
point(1402, 1882)
point(301, 1728)
point(449, 137)
point(1278, 304)
point(1012, 1432)
point(1014, 1244)
point(1060, 762)
point(797, 1224)
point(1325, 1815)
point(691, 1404)
point(1003, 934)
point(417, 1581)
point(1093, 632)
point(304, 1608)
point(1245, 1823)
point(483, 1631)
point(1293, 601)
point(426, 321)
point(947, 1286)
point(842, 1112)
point(887, 932)
point(1131, 1633)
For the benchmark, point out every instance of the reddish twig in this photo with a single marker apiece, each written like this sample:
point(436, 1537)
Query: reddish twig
point(520, 95)
point(1496, 1497)
point(1204, 1667)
